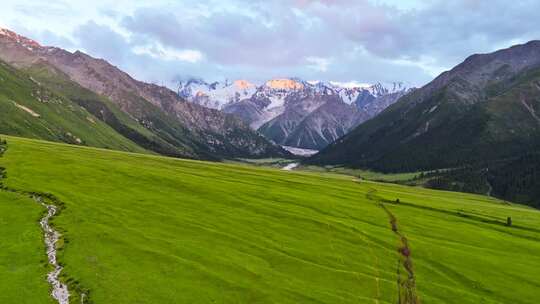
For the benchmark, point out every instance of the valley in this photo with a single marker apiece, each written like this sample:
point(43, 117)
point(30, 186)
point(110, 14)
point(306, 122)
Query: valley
point(153, 229)
point(263, 152)
point(294, 112)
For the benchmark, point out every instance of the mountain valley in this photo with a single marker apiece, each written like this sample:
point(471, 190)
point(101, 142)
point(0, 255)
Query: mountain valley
point(294, 112)
point(153, 117)
point(263, 152)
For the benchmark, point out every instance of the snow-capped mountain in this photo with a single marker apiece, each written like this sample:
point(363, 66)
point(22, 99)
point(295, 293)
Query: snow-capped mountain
point(215, 95)
point(294, 112)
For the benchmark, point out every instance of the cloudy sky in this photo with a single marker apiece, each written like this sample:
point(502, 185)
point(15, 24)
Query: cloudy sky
point(337, 40)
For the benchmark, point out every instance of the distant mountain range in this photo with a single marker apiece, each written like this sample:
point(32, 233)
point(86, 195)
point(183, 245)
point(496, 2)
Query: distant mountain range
point(480, 122)
point(294, 112)
point(54, 94)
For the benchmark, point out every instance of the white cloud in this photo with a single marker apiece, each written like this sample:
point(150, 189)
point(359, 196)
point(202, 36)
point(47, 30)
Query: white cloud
point(318, 63)
point(165, 53)
point(411, 40)
point(426, 63)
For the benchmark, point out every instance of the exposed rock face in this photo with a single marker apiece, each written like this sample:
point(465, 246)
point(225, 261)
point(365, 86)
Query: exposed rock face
point(203, 132)
point(295, 112)
point(326, 124)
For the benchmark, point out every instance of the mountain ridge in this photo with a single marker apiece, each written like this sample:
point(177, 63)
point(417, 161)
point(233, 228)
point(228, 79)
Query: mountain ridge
point(177, 128)
point(294, 112)
point(481, 116)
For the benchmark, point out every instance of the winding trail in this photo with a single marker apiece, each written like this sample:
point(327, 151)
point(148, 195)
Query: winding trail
point(406, 283)
point(59, 290)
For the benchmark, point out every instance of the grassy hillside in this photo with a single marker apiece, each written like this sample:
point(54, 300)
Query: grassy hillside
point(482, 129)
point(148, 229)
point(106, 111)
point(363, 174)
point(31, 110)
point(414, 136)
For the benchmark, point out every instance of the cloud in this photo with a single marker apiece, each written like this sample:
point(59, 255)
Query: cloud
point(169, 54)
point(318, 63)
point(35, 8)
point(234, 38)
point(306, 34)
point(102, 41)
point(446, 31)
point(341, 40)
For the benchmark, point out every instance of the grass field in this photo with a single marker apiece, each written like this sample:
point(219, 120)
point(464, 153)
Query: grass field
point(22, 252)
point(364, 174)
point(147, 229)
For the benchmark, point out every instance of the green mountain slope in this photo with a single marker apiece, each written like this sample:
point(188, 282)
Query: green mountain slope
point(168, 138)
point(171, 125)
point(30, 109)
point(483, 113)
point(198, 232)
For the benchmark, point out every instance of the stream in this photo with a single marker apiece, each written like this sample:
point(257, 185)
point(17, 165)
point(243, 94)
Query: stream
point(59, 290)
point(290, 166)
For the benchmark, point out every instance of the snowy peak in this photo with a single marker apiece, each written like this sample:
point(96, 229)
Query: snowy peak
point(354, 92)
point(243, 84)
point(295, 112)
point(350, 84)
point(217, 95)
point(380, 89)
point(284, 84)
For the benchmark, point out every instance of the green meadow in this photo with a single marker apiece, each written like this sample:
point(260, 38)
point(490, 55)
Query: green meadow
point(147, 229)
point(22, 252)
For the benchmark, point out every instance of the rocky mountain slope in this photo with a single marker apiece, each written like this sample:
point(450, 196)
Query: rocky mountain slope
point(482, 115)
point(152, 116)
point(294, 112)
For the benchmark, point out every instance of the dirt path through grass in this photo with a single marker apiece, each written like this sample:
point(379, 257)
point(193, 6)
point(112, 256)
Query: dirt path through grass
point(407, 285)
point(406, 282)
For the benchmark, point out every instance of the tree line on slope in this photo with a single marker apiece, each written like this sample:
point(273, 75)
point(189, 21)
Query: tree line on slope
point(516, 180)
